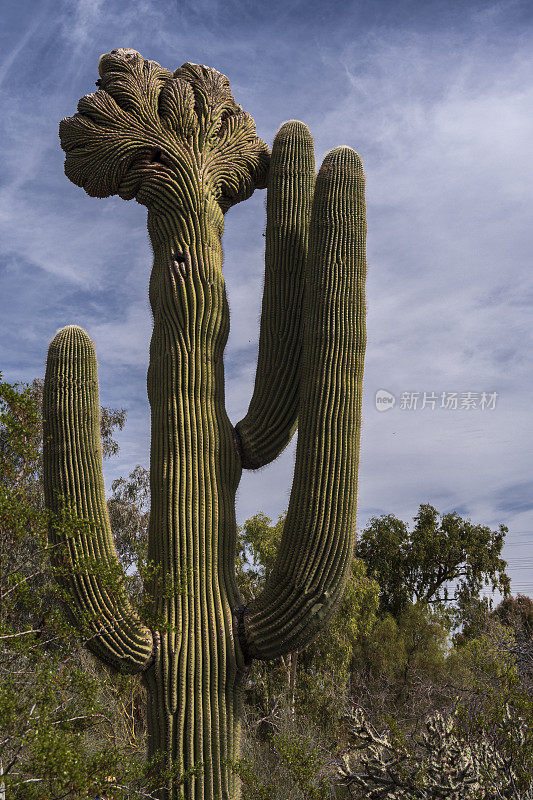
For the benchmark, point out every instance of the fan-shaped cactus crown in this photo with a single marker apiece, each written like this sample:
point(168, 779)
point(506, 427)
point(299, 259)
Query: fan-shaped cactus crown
point(167, 140)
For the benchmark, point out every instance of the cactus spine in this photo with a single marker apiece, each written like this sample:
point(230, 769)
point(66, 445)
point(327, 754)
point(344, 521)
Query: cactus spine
point(181, 146)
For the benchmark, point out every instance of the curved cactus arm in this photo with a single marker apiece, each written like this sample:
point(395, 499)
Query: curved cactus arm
point(313, 560)
point(272, 416)
point(73, 481)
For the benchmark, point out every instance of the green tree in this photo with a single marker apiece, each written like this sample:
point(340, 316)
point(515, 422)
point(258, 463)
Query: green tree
point(437, 699)
point(485, 674)
point(398, 669)
point(65, 723)
point(313, 681)
point(417, 565)
point(23, 533)
point(129, 515)
point(516, 613)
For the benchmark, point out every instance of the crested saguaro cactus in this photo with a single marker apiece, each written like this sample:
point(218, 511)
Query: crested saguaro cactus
point(179, 144)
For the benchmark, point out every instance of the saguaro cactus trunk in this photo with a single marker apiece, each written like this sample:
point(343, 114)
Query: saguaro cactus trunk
point(181, 146)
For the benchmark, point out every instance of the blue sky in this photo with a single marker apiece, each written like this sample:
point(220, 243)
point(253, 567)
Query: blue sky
point(437, 99)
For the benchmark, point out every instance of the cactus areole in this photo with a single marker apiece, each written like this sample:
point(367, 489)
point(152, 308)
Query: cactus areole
point(180, 145)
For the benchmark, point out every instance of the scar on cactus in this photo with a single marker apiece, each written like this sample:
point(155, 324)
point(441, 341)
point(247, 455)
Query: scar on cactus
point(179, 144)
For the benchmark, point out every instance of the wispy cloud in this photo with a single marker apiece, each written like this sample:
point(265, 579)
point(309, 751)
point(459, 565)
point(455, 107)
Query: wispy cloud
point(22, 42)
point(79, 19)
point(436, 97)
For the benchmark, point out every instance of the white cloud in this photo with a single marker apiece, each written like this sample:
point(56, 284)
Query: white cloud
point(445, 136)
point(442, 120)
point(125, 340)
point(22, 42)
point(79, 19)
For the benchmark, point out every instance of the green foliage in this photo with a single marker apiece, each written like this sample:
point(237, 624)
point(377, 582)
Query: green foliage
point(64, 723)
point(110, 418)
point(517, 613)
point(129, 515)
point(292, 763)
point(399, 668)
point(61, 728)
point(315, 678)
point(257, 545)
point(20, 436)
point(415, 566)
point(485, 673)
point(323, 675)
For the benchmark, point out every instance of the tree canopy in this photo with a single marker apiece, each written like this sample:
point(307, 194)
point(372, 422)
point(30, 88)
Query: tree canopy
point(65, 723)
point(418, 565)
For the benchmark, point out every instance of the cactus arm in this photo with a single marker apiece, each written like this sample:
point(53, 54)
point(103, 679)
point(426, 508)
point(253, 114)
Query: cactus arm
point(313, 560)
point(272, 416)
point(73, 478)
